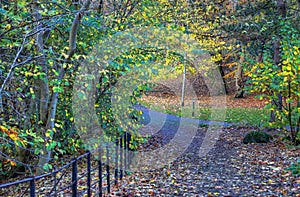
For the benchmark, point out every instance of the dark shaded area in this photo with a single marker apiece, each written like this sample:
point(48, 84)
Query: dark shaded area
point(257, 137)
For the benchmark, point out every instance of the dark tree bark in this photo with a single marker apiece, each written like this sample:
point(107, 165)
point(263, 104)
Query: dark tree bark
point(223, 80)
point(281, 10)
point(239, 84)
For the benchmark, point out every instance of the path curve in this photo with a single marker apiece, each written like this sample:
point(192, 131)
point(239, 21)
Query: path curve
point(229, 169)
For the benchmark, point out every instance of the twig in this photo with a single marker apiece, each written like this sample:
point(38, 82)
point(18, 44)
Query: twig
point(13, 65)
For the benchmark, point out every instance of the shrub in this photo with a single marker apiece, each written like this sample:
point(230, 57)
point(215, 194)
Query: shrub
point(280, 83)
point(257, 137)
point(295, 168)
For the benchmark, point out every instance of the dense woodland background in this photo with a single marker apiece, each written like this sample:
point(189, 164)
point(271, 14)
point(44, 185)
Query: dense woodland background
point(254, 43)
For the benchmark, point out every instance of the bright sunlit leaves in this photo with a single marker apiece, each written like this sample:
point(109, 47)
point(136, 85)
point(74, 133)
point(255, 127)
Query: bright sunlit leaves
point(272, 80)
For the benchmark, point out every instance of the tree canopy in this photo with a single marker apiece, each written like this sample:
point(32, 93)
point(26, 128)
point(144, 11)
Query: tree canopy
point(44, 45)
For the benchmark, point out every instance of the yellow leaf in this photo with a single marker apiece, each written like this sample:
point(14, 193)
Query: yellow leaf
point(31, 91)
point(182, 28)
point(7, 27)
point(2, 128)
point(47, 134)
point(12, 163)
point(271, 181)
point(24, 143)
point(13, 137)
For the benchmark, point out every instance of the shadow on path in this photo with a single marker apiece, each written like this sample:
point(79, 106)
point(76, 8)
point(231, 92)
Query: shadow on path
point(166, 126)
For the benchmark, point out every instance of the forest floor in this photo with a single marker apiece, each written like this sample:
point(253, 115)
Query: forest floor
point(230, 168)
point(249, 101)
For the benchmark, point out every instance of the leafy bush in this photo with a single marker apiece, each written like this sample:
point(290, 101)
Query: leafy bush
point(295, 168)
point(257, 137)
point(280, 83)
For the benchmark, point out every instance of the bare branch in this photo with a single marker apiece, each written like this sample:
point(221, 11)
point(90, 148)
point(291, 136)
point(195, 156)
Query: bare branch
point(13, 65)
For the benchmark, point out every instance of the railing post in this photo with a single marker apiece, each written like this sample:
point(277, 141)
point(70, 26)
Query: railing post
point(100, 172)
point(107, 169)
point(89, 174)
point(116, 162)
point(129, 152)
point(121, 157)
point(125, 152)
point(32, 187)
point(193, 112)
point(74, 178)
point(55, 182)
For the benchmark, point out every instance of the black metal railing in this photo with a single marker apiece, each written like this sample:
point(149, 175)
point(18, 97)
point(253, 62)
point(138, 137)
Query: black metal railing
point(91, 174)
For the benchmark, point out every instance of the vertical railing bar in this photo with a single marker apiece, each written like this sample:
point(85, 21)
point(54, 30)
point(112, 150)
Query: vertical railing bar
point(100, 172)
point(55, 182)
point(89, 174)
point(193, 112)
point(121, 158)
point(32, 187)
point(125, 152)
point(74, 178)
point(107, 169)
point(129, 155)
point(116, 162)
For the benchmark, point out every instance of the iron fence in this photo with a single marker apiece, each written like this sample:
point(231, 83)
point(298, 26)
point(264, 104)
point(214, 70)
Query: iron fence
point(91, 174)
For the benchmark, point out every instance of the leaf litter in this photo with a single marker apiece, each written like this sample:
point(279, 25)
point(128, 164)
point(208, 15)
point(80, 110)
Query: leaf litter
point(230, 169)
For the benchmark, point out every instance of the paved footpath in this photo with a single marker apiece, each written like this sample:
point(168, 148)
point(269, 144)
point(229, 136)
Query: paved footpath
point(224, 167)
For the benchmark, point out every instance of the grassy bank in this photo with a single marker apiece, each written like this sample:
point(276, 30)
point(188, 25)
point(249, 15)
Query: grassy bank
point(237, 115)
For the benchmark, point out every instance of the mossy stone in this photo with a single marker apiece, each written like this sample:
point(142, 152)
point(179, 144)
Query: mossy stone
point(257, 137)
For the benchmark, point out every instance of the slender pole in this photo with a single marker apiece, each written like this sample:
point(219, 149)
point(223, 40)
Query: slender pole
point(55, 182)
point(116, 162)
point(100, 172)
point(121, 157)
point(183, 83)
point(89, 174)
point(193, 113)
point(32, 187)
point(125, 153)
point(129, 155)
point(107, 170)
point(74, 178)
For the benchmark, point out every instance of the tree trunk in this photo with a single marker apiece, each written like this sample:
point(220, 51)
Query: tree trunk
point(51, 111)
point(42, 87)
point(239, 79)
point(277, 60)
point(281, 9)
point(223, 79)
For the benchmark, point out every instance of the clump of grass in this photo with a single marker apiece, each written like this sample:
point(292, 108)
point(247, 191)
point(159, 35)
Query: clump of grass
point(238, 115)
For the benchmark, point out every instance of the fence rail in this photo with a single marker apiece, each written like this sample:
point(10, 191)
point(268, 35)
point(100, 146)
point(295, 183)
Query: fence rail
point(101, 171)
